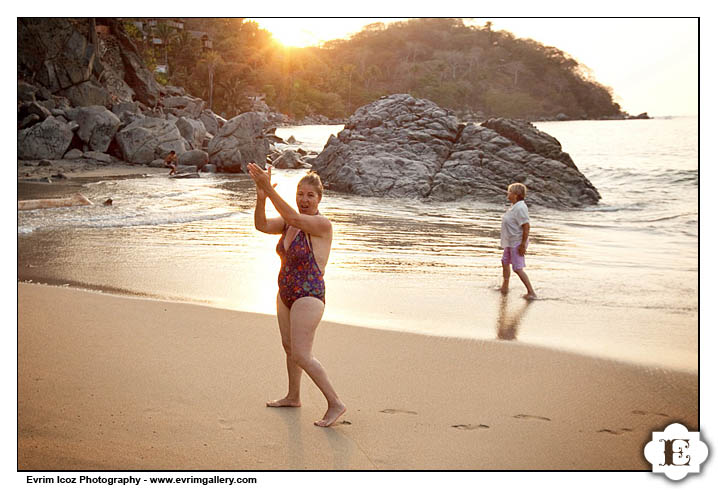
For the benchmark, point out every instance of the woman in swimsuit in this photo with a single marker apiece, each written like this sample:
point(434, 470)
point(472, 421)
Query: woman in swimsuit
point(304, 249)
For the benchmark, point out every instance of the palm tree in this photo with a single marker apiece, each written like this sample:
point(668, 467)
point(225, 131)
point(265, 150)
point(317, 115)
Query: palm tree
point(211, 61)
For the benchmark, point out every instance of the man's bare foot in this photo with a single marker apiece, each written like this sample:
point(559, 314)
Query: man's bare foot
point(284, 402)
point(503, 290)
point(530, 296)
point(332, 415)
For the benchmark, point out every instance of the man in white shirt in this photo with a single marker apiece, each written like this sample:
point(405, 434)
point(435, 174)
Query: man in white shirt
point(515, 239)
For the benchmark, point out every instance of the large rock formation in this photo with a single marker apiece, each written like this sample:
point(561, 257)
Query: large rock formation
point(148, 139)
point(53, 53)
point(97, 126)
point(49, 139)
point(192, 131)
point(399, 146)
point(70, 74)
point(240, 141)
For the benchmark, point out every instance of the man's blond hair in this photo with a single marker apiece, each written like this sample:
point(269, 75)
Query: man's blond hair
point(519, 189)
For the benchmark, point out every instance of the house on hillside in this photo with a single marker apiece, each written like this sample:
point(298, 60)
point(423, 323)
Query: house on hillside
point(157, 35)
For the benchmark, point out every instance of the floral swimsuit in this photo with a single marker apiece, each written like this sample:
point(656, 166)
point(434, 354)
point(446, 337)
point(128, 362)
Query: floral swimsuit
point(299, 275)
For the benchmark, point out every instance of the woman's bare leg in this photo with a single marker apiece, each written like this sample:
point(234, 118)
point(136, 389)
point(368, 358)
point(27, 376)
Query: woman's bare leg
point(294, 372)
point(304, 317)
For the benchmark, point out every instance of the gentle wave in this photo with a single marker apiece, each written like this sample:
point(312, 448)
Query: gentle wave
point(127, 220)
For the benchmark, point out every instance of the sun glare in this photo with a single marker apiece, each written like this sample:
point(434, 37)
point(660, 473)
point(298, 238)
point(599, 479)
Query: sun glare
point(290, 32)
point(303, 32)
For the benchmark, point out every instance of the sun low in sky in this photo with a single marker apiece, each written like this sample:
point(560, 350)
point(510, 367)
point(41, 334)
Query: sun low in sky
point(303, 32)
point(650, 63)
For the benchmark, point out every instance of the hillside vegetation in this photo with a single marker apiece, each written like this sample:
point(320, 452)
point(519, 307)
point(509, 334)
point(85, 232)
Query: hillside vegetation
point(469, 69)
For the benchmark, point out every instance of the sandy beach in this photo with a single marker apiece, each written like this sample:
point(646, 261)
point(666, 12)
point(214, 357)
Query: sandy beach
point(109, 382)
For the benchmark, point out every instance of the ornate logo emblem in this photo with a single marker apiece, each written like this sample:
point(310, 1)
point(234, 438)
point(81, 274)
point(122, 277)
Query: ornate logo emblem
point(676, 452)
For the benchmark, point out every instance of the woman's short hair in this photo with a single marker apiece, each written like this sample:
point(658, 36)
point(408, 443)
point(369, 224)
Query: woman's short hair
point(519, 189)
point(312, 178)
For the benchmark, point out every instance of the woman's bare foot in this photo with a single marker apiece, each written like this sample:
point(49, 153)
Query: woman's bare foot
point(530, 296)
point(332, 415)
point(285, 402)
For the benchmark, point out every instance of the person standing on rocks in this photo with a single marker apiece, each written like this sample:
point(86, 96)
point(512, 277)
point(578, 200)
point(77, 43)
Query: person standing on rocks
point(304, 249)
point(515, 238)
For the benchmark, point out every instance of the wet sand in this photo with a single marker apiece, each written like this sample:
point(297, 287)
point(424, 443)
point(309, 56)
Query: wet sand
point(108, 382)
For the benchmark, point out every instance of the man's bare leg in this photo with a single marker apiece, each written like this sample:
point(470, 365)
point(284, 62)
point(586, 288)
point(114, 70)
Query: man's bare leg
point(507, 275)
point(530, 294)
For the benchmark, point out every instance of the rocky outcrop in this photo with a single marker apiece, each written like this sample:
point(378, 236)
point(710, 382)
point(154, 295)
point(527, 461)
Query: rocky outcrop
point(240, 141)
point(290, 159)
point(193, 158)
point(399, 146)
point(97, 126)
point(137, 76)
point(49, 139)
point(192, 131)
point(148, 139)
point(54, 53)
point(70, 74)
point(525, 134)
point(183, 106)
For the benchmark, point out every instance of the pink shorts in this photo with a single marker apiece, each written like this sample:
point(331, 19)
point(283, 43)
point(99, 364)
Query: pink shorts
point(512, 256)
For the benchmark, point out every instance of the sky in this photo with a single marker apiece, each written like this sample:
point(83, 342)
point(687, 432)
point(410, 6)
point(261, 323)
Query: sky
point(650, 63)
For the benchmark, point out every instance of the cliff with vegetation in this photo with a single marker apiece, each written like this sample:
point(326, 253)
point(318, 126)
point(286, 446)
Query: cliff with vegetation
point(476, 71)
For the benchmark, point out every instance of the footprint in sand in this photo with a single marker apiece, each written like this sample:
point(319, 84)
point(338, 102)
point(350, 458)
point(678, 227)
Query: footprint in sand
point(470, 426)
point(615, 432)
point(225, 424)
point(394, 410)
point(535, 417)
point(643, 412)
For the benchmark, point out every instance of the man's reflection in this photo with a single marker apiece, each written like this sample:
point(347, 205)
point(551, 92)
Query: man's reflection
point(507, 324)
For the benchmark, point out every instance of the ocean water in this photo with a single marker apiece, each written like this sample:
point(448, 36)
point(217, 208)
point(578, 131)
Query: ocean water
point(617, 280)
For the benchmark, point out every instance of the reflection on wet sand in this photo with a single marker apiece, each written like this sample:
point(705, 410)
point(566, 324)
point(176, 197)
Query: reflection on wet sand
point(507, 324)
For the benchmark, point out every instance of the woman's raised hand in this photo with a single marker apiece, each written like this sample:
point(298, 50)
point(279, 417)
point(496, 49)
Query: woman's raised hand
point(262, 179)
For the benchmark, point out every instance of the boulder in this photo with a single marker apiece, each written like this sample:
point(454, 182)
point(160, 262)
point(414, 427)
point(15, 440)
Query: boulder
point(212, 122)
point(288, 159)
point(26, 92)
point(98, 156)
point(120, 108)
point(97, 126)
point(192, 130)
point(36, 108)
point(86, 94)
point(399, 146)
point(172, 90)
point(183, 106)
point(49, 139)
point(195, 158)
point(240, 141)
point(73, 154)
point(27, 121)
point(149, 138)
